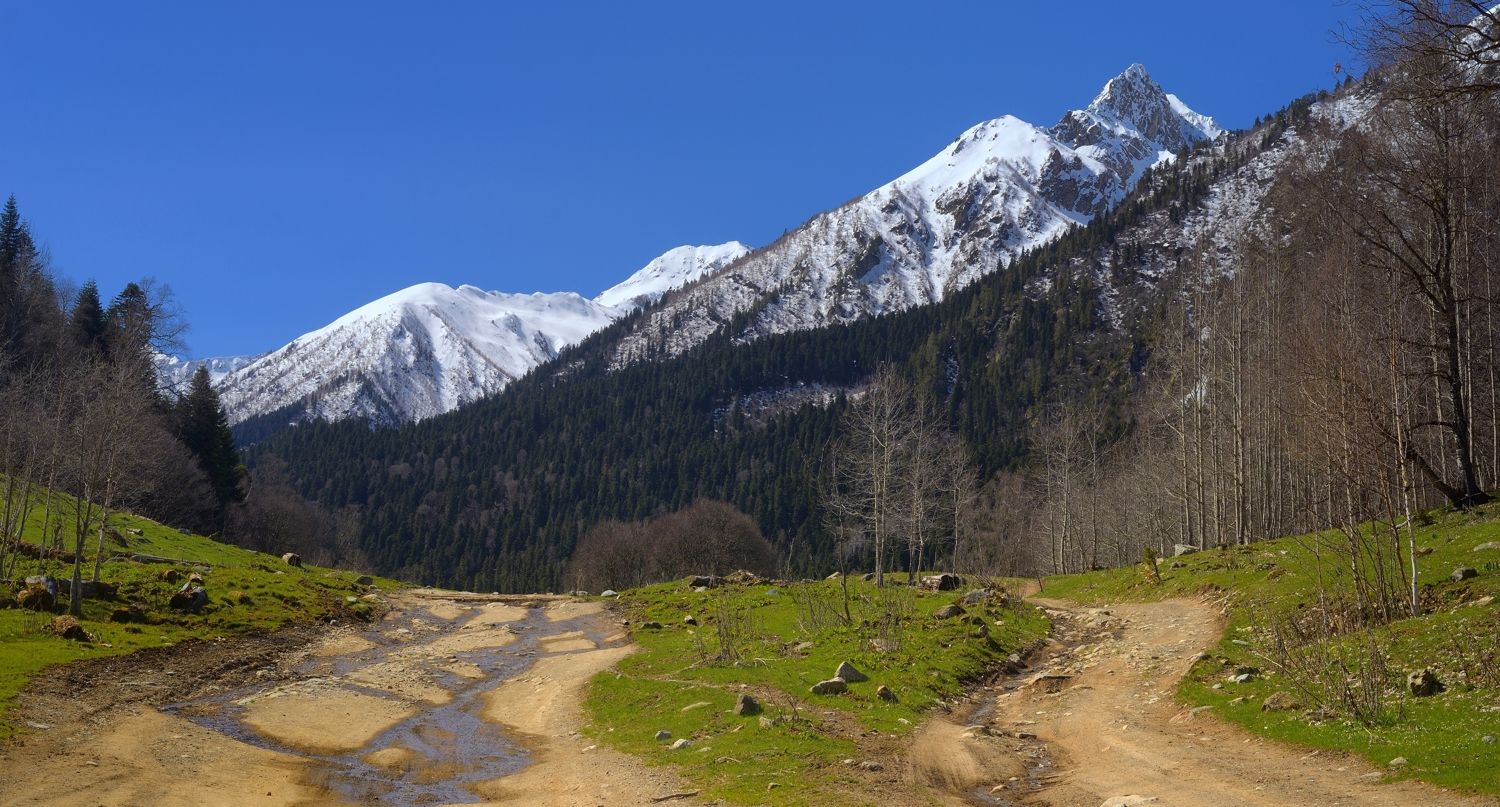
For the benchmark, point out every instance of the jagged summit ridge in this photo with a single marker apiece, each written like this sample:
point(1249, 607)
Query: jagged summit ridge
point(1002, 187)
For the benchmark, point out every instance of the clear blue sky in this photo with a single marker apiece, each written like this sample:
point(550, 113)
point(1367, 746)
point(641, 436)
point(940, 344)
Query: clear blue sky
point(280, 163)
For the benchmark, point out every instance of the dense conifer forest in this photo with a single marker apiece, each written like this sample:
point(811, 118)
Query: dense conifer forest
point(496, 495)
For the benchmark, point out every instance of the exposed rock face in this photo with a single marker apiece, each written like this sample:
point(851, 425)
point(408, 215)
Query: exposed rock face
point(1002, 187)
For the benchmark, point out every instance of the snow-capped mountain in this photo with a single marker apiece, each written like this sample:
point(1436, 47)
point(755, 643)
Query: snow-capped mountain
point(175, 372)
point(431, 348)
point(1002, 187)
point(672, 270)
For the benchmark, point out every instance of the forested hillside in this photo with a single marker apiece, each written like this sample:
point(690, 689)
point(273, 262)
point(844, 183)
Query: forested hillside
point(496, 494)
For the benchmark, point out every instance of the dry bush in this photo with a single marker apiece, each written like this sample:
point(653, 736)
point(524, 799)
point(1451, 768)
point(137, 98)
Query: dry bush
point(707, 537)
point(1334, 675)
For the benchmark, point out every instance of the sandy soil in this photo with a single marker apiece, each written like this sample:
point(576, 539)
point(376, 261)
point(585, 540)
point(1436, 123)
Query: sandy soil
point(571, 771)
point(1100, 707)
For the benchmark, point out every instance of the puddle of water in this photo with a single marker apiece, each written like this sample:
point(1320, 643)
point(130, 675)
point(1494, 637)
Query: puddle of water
point(450, 747)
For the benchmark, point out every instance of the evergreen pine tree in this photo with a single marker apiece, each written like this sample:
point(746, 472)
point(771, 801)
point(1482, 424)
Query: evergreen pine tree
point(204, 428)
point(13, 236)
point(87, 322)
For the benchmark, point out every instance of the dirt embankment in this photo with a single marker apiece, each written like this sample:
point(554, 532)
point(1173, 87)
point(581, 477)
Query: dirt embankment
point(1094, 723)
point(451, 698)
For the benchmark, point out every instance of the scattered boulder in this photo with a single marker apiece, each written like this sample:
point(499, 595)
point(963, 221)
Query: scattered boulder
point(1049, 683)
point(680, 744)
point(609, 592)
point(942, 582)
point(850, 675)
point(949, 611)
point(663, 735)
point(364, 580)
point(36, 598)
point(690, 620)
point(832, 686)
point(1488, 739)
point(1178, 550)
point(742, 577)
point(1424, 551)
point(1463, 573)
point(188, 598)
point(650, 626)
point(46, 581)
point(802, 647)
point(169, 576)
point(833, 576)
point(884, 693)
point(882, 645)
point(976, 596)
point(871, 765)
point(1397, 762)
point(746, 705)
point(1245, 669)
point(704, 581)
point(1279, 702)
point(292, 559)
point(1488, 546)
point(68, 628)
point(1423, 683)
point(867, 576)
point(135, 531)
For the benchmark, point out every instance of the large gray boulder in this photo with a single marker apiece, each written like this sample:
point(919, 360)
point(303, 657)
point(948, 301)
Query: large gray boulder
point(850, 675)
point(832, 686)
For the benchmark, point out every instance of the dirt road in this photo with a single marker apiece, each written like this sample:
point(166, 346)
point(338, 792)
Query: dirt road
point(1094, 723)
point(450, 699)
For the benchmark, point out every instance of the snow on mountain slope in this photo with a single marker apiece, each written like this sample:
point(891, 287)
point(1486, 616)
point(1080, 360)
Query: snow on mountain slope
point(430, 348)
point(1004, 186)
point(174, 372)
point(673, 269)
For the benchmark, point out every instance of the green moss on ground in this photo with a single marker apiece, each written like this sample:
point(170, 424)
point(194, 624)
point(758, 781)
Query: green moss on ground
point(678, 685)
point(1458, 637)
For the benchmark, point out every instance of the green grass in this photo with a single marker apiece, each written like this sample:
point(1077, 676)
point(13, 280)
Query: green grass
point(1440, 736)
point(736, 758)
point(275, 594)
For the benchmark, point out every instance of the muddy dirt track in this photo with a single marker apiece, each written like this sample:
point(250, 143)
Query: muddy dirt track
point(1094, 722)
point(449, 699)
point(457, 698)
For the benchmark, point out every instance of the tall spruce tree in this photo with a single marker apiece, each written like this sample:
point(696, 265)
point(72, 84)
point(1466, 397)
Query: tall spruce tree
point(86, 322)
point(204, 428)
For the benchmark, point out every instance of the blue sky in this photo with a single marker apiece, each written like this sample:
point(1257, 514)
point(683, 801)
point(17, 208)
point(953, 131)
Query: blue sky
point(278, 164)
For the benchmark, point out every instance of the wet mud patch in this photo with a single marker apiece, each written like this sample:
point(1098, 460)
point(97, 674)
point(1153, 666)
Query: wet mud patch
point(397, 714)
